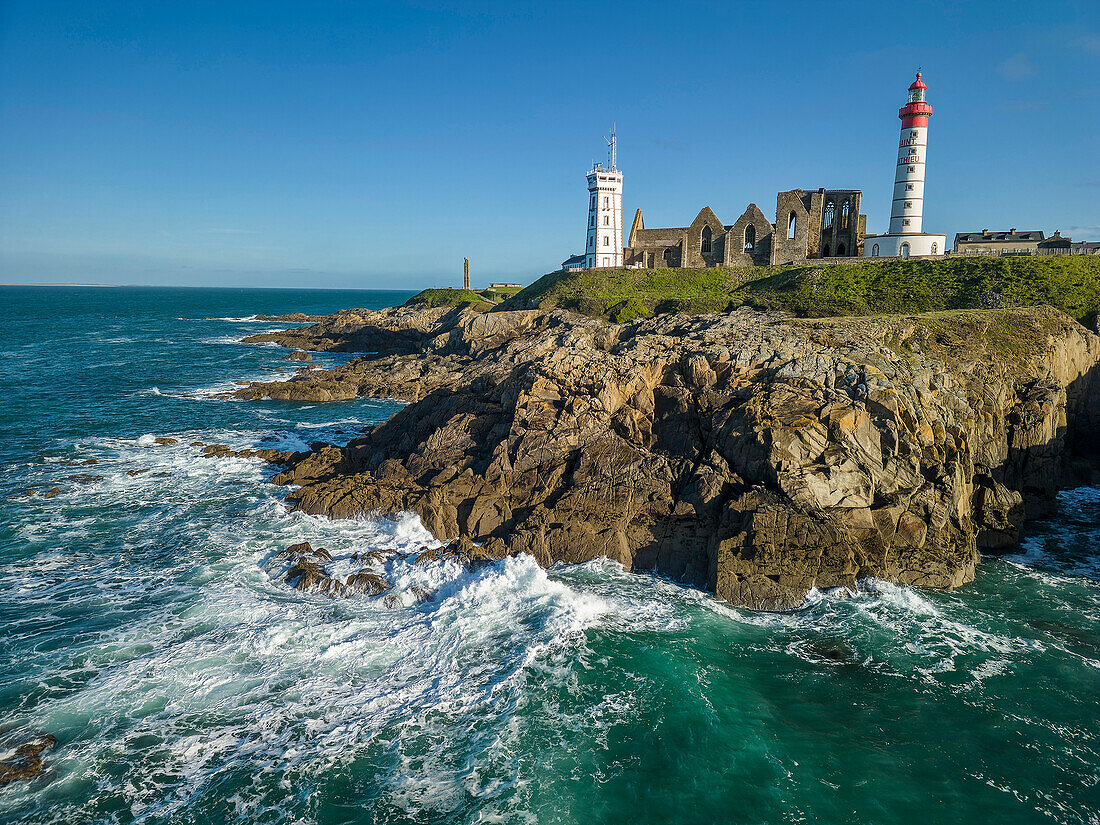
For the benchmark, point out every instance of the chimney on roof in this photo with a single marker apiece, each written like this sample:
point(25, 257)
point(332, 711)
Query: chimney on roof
point(1013, 230)
point(985, 231)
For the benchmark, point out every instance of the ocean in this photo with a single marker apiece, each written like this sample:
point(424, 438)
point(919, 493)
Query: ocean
point(185, 682)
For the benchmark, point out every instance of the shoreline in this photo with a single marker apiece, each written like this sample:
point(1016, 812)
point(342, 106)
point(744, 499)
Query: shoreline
point(750, 454)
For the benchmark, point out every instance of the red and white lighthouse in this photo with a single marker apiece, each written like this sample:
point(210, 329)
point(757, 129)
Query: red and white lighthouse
point(907, 210)
point(905, 237)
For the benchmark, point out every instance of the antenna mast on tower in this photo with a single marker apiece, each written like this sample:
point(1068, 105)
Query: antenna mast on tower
point(612, 153)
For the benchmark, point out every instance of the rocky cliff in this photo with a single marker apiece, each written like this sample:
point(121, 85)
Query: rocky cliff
point(754, 455)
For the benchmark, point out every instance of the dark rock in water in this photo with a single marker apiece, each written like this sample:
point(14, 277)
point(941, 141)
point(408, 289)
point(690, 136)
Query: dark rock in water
point(366, 582)
point(269, 455)
point(91, 461)
point(30, 492)
point(137, 472)
point(298, 355)
point(303, 548)
point(305, 573)
point(198, 444)
point(54, 491)
point(462, 550)
point(84, 479)
point(292, 318)
point(833, 651)
point(164, 441)
point(26, 762)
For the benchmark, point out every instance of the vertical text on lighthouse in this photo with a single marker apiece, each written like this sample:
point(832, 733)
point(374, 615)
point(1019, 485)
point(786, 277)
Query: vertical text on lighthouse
point(907, 209)
point(604, 246)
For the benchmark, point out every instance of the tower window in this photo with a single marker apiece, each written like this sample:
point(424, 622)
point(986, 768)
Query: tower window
point(750, 238)
point(908, 204)
point(912, 150)
point(792, 226)
point(605, 202)
point(908, 187)
point(704, 243)
point(828, 219)
point(607, 240)
point(912, 168)
point(606, 220)
point(593, 204)
point(905, 222)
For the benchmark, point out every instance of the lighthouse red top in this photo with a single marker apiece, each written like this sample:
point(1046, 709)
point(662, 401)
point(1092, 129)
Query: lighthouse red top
point(917, 111)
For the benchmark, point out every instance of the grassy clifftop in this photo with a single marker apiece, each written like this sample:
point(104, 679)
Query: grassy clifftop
point(479, 299)
point(864, 287)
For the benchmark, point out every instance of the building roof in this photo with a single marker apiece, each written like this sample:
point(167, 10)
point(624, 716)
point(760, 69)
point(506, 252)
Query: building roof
point(572, 260)
point(985, 236)
point(669, 236)
point(918, 83)
point(1085, 245)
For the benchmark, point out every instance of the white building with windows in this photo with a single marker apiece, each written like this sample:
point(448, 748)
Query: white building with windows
point(604, 244)
point(905, 237)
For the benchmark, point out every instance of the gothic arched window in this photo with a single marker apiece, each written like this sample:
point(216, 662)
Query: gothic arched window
point(792, 226)
point(827, 221)
point(844, 216)
point(825, 254)
point(874, 251)
point(704, 245)
point(840, 250)
point(935, 248)
point(905, 250)
point(750, 238)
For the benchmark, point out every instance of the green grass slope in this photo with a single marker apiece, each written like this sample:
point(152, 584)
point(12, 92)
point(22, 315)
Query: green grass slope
point(480, 299)
point(814, 290)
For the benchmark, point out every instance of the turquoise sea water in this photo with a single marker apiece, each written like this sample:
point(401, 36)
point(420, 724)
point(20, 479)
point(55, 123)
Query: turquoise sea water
point(185, 682)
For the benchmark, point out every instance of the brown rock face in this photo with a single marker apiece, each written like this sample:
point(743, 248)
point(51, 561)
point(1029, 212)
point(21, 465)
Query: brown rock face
point(26, 760)
point(753, 455)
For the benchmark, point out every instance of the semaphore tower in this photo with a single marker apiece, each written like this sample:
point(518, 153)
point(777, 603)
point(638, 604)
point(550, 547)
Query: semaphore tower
point(604, 246)
point(905, 237)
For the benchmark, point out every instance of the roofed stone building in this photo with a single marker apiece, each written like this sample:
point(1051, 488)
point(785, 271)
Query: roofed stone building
point(823, 223)
point(1012, 242)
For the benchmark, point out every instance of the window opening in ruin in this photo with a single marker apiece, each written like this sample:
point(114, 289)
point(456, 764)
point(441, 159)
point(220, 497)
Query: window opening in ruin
point(844, 216)
point(704, 244)
point(828, 220)
point(840, 250)
point(825, 254)
point(792, 225)
point(750, 238)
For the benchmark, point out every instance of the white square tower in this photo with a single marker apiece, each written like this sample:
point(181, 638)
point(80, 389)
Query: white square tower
point(604, 246)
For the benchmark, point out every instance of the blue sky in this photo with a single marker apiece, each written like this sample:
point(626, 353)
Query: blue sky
point(374, 144)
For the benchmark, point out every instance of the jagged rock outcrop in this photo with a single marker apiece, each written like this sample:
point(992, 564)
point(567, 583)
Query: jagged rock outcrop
point(23, 759)
point(754, 455)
